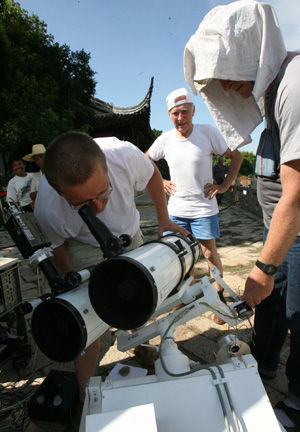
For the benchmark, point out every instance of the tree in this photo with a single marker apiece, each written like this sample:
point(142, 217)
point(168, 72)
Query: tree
point(44, 87)
point(157, 132)
point(247, 167)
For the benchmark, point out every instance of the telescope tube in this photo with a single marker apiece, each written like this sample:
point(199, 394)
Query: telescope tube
point(125, 290)
point(65, 325)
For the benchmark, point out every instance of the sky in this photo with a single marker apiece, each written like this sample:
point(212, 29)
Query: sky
point(131, 41)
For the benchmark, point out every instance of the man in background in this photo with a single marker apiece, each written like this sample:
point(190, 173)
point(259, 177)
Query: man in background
point(188, 150)
point(18, 188)
point(219, 173)
point(36, 156)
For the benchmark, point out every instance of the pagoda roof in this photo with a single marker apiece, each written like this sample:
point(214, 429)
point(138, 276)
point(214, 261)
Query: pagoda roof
point(107, 114)
point(130, 123)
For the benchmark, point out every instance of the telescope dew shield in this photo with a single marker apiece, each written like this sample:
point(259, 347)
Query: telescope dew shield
point(65, 325)
point(125, 290)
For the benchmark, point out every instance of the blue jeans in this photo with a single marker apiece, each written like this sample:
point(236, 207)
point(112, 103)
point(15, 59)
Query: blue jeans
point(276, 315)
point(203, 228)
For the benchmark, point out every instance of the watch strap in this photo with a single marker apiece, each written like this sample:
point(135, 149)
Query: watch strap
point(268, 269)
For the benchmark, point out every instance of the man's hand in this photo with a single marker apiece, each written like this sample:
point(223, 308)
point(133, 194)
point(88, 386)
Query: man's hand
point(211, 190)
point(258, 287)
point(168, 225)
point(283, 230)
point(169, 187)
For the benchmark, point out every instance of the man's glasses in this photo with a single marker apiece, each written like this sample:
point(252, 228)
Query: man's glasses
point(99, 197)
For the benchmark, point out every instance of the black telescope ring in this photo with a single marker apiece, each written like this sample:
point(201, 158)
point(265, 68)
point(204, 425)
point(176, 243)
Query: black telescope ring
point(176, 249)
point(193, 243)
point(112, 308)
point(69, 335)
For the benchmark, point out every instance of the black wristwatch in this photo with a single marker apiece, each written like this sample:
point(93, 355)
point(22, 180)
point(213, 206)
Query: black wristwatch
point(268, 269)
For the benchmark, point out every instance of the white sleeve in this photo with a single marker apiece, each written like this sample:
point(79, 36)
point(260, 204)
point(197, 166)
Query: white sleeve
point(51, 212)
point(138, 166)
point(11, 193)
point(35, 183)
point(156, 151)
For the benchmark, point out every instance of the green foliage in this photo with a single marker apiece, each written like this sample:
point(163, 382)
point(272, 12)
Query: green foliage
point(247, 167)
point(156, 132)
point(44, 87)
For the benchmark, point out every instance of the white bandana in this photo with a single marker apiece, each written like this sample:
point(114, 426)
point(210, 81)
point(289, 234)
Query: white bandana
point(240, 41)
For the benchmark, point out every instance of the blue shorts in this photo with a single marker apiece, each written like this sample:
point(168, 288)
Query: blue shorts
point(203, 228)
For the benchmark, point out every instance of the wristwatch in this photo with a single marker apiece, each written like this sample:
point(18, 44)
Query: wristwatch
point(268, 269)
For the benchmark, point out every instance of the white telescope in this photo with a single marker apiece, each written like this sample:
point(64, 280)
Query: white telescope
point(123, 291)
point(126, 289)
point(65, 325)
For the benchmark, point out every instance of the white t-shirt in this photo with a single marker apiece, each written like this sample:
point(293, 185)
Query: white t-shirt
point(35, 181)
point(190, 164)
point(128, 170)
point(18, 189)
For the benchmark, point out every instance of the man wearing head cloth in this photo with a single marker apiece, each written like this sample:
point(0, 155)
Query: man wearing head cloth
point(238, 62)
point(188, 150)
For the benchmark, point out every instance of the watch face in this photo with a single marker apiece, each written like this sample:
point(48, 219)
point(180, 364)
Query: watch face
point(270, 269)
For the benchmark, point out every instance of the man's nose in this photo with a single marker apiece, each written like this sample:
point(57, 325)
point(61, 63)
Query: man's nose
point(97, 206)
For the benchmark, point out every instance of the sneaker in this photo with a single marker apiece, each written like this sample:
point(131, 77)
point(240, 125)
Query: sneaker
point(282, 411)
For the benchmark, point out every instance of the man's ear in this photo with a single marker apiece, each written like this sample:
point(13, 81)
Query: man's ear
point(194, 109)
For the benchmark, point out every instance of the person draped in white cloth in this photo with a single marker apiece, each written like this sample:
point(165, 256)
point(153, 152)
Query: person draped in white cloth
point(238, 62)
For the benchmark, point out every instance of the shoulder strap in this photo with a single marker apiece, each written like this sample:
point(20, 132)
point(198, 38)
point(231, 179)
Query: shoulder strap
point(270, 101)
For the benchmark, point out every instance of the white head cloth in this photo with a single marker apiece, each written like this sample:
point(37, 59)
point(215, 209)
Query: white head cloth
point(240, 41)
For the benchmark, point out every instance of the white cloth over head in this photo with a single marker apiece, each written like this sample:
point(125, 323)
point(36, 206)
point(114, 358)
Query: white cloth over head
point(240, 41)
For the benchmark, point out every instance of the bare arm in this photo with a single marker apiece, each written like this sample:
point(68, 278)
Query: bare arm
point(283, 231)
point(210, 190)
point(155, 189)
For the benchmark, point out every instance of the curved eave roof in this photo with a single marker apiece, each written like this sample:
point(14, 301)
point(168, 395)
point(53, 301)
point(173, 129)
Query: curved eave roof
point(106, 114)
